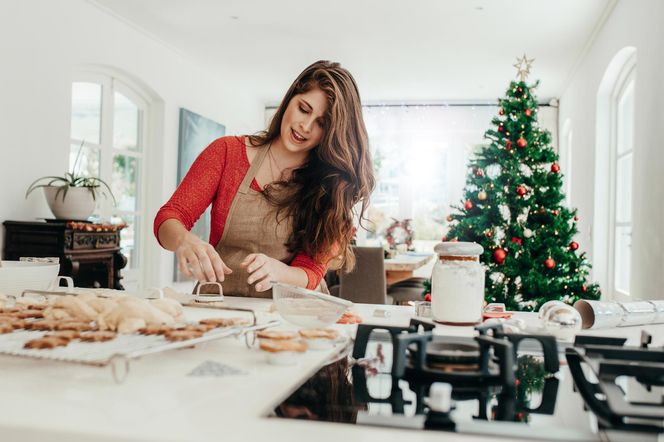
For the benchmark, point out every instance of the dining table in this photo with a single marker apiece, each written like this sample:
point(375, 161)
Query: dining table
point(403, 265)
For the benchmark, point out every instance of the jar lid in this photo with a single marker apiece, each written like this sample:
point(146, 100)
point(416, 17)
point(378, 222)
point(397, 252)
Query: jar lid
point(457, 248)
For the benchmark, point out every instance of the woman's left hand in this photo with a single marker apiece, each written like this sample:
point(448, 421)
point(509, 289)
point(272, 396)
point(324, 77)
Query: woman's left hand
point(262, 270)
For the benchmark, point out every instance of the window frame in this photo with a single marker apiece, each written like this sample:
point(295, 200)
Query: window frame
point(132, 277)
point(626, 79)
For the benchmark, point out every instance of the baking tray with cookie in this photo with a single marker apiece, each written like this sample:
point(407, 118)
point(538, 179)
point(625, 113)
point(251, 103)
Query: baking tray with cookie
point(109, 329)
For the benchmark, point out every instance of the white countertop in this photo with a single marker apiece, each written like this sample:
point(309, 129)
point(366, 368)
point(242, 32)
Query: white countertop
point(45, 400)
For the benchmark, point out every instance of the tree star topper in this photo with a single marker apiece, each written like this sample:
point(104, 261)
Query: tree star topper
point(523, 66)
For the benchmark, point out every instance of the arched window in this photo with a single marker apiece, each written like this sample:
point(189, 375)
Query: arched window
point(108, 140)
point(613, 173)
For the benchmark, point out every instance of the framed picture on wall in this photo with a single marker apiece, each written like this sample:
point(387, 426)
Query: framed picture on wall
point(196, 133)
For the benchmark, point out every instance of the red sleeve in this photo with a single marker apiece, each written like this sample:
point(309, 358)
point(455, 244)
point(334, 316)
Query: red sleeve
point(197, 189)
point(314, 268)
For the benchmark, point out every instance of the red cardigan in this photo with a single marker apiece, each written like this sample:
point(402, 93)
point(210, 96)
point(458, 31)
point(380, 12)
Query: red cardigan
point(215, 178)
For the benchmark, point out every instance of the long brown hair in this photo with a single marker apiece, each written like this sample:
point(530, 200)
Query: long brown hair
point(338, 174)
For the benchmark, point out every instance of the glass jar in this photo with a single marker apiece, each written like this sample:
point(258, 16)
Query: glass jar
point(457, 284)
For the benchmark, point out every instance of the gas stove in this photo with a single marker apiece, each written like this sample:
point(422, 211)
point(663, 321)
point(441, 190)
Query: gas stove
point(497, 383)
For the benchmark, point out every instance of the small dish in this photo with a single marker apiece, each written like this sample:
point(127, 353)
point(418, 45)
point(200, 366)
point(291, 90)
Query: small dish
point(282, 352)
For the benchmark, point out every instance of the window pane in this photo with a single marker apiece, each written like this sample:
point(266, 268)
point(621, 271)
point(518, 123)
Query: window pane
point(624, 189)
point(124, 182)
point(623, 253)
point(86, 112)
point(87, 163)
point(625, 118)
point(129, 240)
point(125, 123)
point(420, 155)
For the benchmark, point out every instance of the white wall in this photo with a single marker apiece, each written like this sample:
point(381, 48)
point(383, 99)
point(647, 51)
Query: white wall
point(638, 24)
point(42, 43)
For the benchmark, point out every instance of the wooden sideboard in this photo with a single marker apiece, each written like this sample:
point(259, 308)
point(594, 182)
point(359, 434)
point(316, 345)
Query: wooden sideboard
point(91, 258)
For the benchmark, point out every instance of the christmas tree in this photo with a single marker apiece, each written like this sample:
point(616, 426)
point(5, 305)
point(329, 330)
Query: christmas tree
point(513, 207)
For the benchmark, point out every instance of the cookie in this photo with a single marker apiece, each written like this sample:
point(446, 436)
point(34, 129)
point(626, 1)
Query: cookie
point(202, 328)
point(224, 322)
point(182, 335)
point(29, 313)
point(47, 342)
point(66, 334)
point(279, 335)
point(274, 346)
point(98, 336)
point(17, 323)
point(319, 333)
point(44, 324)
point(74, 325)
point(6, 327)
point(155, 329)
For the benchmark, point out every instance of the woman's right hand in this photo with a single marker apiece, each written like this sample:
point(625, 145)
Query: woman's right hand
point(199, 259)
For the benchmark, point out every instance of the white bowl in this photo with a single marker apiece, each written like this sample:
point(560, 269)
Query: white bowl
point(17, 276)
point(307, 308)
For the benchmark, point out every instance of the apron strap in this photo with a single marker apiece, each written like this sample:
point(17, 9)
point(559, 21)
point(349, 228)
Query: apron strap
point(244, 186)
point(253, 170)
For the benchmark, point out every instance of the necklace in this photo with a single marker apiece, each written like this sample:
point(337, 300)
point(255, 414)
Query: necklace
point(273, 160)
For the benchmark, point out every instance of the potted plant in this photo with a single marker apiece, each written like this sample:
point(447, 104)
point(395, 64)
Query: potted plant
point(72, 196)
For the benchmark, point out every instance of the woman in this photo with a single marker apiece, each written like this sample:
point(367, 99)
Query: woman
point(282, 200)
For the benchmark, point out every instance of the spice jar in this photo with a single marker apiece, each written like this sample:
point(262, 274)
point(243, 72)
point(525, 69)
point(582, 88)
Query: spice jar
point(457, 284)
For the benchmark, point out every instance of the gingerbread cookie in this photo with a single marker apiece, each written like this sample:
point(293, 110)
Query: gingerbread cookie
point(17, 323)
point(29, 313)
point(79, 326)
point(155, 329)
point(66, 334)
point(44, 324)
point(202, 328)
point(98, 336)
point(182, 335)
point(225, 322)
point(278, 335)
point(47, 342)
point(6, 327)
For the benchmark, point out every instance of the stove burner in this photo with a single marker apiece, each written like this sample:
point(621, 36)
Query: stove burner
point(449, 356)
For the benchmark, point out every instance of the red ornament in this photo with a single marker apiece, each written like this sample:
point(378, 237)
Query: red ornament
point(555, 168)
point(516, 240)
point(521, 191)
point(499, 256)
point(521, 142)
point(573, 245)
point(576, 218)
point(468, 205)
point(479, 172)
point(427, 297)
point(443, 239)
point(528, 112)
point(488, 233)
point(509, 145)
point(549, 263)
point(501, 111)
point(555, 212)
point(584, 289)
point(501, 128)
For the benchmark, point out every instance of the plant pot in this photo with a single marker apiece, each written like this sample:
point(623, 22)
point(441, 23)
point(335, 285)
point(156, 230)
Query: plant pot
point(78, 204)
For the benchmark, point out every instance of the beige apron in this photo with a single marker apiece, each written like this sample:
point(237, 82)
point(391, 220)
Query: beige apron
point(251, 227)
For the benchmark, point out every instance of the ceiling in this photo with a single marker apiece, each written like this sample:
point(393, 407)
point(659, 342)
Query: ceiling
point(398, 51)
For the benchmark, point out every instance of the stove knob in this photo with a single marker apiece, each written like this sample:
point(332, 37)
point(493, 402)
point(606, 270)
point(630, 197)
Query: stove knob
point(440, 397)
